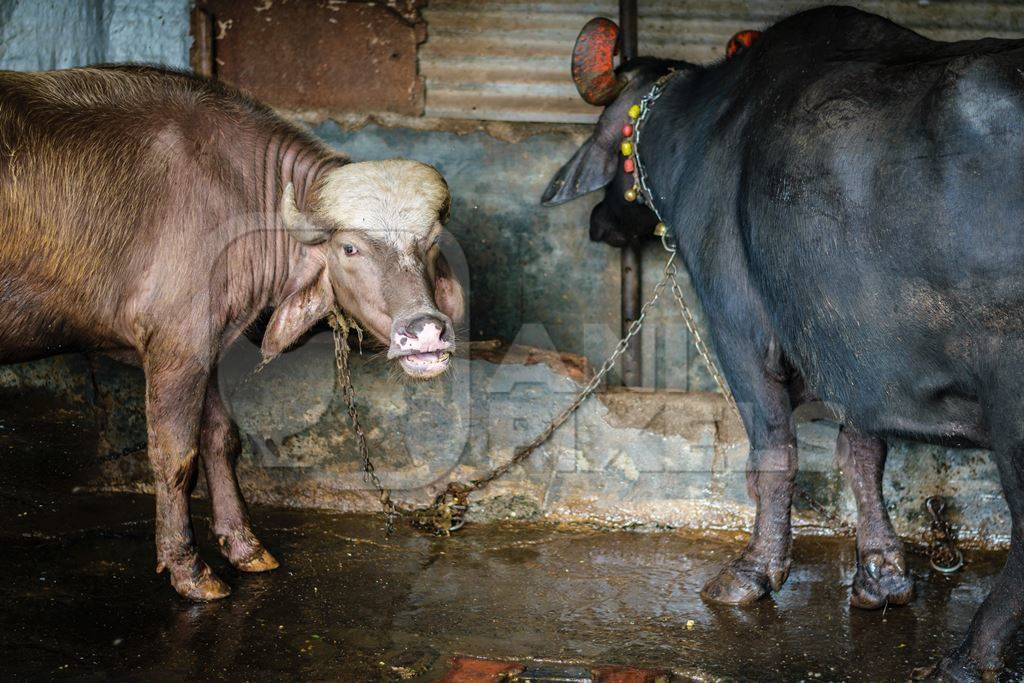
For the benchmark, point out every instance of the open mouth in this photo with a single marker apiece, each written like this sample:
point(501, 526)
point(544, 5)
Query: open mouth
point(426, 364)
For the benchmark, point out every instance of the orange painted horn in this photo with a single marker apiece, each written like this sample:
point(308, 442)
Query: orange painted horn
point(740, 42)
point(593, 62)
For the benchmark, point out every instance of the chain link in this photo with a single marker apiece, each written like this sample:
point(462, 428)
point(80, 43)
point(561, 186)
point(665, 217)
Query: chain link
point(438, 518)
point(524, 452)
point(702, 348)
point(943, 554)
point(341, 326)
point(646, 104)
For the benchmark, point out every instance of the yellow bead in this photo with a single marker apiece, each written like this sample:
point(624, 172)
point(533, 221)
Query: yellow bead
point(659, 230)
point(627, 148)
point(630, 194)
point(634, 111)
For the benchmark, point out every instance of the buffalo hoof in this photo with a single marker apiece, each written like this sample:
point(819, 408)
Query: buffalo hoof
point(957, 667)
point(245, 553)
point(199, 583)
point(261, 561)
point(740, 583)
point(881, 579)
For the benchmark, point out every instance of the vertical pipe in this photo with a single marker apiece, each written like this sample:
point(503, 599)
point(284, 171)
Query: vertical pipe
point(632, 368)
point(627, 29)
point(201, 53)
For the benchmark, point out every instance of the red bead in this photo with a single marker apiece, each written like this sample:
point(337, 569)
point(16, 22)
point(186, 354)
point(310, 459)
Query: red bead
point(628, 166)
point(627, 130)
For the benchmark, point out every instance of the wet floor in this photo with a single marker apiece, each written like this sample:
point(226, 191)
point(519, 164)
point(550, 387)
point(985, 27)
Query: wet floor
point(80, 599)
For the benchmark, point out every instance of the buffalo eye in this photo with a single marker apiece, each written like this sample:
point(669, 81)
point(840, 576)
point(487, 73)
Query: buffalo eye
point(349, 250)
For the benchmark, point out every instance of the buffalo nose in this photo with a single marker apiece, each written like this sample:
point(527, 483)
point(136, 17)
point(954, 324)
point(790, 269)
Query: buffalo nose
point(424, 334)
point(426, 330)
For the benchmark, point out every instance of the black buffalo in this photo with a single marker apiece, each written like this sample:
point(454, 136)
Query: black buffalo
point(847, 196)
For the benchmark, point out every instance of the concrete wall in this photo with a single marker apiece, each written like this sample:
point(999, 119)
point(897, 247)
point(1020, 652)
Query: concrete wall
point(627, 458)
point(650, 457)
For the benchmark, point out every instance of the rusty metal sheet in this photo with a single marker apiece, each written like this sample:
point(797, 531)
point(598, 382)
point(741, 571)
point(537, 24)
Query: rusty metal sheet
point(334, 55)
point(509, 60)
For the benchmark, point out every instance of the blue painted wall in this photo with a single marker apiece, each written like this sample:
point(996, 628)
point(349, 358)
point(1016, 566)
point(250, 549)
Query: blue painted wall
point(57, 34)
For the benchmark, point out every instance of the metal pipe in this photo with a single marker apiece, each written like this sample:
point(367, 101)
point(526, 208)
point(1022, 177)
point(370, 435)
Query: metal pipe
point(628, 30)
point(201, 54)
point(632, 367)
point(630, 266)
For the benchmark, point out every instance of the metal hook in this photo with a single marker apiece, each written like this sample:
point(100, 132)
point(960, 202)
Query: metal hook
point(458, 517)
point(664, 243)
point(956, 566)
point(943, 539)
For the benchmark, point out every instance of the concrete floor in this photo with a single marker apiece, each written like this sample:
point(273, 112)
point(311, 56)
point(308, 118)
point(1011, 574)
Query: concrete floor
point(80, 599)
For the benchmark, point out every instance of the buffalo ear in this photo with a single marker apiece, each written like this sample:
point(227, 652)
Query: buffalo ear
point(449, 297)
point(310, 300)
point(592, 167)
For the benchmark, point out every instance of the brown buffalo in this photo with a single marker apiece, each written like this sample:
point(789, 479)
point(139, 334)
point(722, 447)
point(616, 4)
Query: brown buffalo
point(155, 213)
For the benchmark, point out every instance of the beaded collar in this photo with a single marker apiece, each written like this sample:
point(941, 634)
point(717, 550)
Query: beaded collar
point(630, 148)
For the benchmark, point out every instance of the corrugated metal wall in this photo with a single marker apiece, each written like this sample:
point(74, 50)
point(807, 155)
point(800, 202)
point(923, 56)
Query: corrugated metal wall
point(509, 61)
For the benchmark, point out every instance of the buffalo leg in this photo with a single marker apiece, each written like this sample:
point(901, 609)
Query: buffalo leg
point(175, 393)
point(764, 563)
point(1000, 615)
point(220, 447)
point(882, 577)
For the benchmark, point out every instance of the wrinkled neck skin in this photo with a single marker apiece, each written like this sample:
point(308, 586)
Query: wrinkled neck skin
point(288, 160)
point(264, 262)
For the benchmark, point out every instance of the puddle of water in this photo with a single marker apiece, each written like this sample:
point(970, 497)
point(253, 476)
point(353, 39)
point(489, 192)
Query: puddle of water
point(84, 601)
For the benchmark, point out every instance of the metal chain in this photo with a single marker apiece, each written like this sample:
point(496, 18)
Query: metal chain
point(524, 452)
point(340, 325)
point(646, 104)
point(943, 555)
point(447, 513)
point(439, 516)
point(702, 349)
